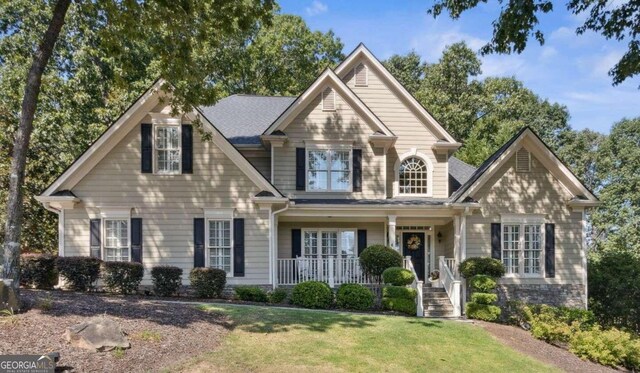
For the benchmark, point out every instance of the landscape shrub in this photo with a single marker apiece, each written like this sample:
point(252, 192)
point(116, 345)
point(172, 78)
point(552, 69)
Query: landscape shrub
point(251, 294)
point(278, 295)
point(516, 312)
point(481, 266)
point(208, 282)
point(122, 277)
point(312, 294)
point(166, 280)
point(80, 272)
point(556, 324)
point(375, 259)
point(482, 283)
point(611, 347)
point(486, 312)
point(401, 292)
point(354, 297)
point(38, 270)
point(484, 298)
point(397, 276)
point(403, 305)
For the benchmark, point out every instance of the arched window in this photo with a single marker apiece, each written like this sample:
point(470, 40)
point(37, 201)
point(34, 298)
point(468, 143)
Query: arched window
point(413, 176)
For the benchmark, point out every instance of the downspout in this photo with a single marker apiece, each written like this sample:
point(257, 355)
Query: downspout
point(274, 243)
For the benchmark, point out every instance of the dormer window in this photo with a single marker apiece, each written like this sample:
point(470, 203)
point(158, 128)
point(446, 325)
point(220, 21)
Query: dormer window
point(361, 75)
point(167, 149)
point(523, 160)
point(328, 99)
point(328, 170)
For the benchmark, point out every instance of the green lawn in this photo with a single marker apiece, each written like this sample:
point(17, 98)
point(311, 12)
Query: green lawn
point(275, 340)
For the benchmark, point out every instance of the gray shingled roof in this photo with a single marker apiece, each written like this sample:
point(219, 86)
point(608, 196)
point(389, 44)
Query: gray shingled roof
point(367, 202)
point(459, 173)
point(243, 118)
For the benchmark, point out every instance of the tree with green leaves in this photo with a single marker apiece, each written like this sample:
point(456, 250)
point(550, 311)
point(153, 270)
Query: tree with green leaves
point(408, 69)
point(519, 21)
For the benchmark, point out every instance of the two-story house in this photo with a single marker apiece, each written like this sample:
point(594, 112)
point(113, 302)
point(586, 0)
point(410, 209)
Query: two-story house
point(294, 188)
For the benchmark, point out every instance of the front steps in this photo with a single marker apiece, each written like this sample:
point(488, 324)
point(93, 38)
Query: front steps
point(436, 302)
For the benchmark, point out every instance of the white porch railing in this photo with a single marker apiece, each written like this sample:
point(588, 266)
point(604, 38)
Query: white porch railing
point(334, 271)
point(408, 264)
point(450, 283)
point(451, 264)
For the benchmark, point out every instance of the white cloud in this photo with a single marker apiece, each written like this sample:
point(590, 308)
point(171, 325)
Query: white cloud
point(431, 44)
point(548, 53)
point(604, 63)
point(316, 8)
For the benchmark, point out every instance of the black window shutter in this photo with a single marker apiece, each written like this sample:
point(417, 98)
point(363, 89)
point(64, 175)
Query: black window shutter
point(187, 149)
point(136, 240)
point(357, 170)
point(198, 240)
point(296, 243)
point(550, 250)
point(300, 168)
point(238, 247)
point(146, 148)
point(94, 237)
point(496, 247)
point(362, 240)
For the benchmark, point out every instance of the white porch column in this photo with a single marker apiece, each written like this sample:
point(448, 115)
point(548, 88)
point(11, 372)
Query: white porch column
point(456, 238)
point(392, 232)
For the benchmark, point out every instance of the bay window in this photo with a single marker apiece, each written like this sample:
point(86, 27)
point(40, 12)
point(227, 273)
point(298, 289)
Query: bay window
point(329, 243)
point(329, 170)
point(522, 238)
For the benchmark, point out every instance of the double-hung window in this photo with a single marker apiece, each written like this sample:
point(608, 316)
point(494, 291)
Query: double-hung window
point(167, 149)
point(329, 170)
point(522, 242)
point(219, 244)
point(329, 243)
point(116, 242)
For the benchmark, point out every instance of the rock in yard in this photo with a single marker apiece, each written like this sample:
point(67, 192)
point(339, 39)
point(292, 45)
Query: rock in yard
point(97, 334)
point(8, 298)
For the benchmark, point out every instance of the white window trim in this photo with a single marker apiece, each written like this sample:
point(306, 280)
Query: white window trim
point(155, 153)
point(396, 182)
point(328, 149)
point(522, 220)
point(208, 248)
point(334, 99)
point(319, 232)
point(113, 214)
point(366, 75)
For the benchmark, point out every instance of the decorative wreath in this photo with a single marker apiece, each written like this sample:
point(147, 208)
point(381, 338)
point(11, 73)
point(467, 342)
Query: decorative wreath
point(414, 242)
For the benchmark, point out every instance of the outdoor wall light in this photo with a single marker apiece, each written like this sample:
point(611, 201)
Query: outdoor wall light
point(439, 236)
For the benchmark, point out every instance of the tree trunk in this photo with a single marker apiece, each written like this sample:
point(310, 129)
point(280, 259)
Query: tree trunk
point(11, 270)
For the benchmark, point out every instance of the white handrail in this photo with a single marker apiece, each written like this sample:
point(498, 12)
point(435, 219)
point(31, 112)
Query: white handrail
point(416, 284)
point(333, 271)
point(450, 284)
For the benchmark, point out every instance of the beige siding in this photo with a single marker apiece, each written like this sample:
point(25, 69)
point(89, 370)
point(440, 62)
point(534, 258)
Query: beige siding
point(260, 159)
point(168, 204)
point(445, 246)
point(375, 233)
point(342, 126)
point(404, 123)
point(535, 192)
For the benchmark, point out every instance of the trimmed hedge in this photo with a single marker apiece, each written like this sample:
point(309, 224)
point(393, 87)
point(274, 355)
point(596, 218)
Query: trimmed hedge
point(251, 294)
point(208, 282)
point(354, 297)
point(166, 280)
point(484, 298)
point(399, 292)
point(486, 312)
point(312, 294)
point(482, 283)
point(397, 276)
point(481, 266)
point(122, 277)
point(80, 272)
point(407, 306)
point(278, 295)
point(38, 270)
point(375, 259)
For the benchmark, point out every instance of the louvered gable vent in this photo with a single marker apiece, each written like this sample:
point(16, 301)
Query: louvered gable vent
point(523, 160)
point(361, 75)
point(328, 99)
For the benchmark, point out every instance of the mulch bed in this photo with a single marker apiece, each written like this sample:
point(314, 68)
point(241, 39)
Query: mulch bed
point(184, 331)
point(521, 340)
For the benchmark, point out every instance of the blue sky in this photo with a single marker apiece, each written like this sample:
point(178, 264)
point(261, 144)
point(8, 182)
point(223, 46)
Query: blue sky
point(568, 69)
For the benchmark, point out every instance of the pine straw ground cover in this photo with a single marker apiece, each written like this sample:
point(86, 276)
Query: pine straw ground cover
point(161, 334)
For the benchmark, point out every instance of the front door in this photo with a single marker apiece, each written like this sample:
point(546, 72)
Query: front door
point(413, 246)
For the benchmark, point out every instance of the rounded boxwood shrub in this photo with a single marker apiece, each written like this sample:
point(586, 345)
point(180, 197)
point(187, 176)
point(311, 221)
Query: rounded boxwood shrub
point(399, 292)
point(80, 272)
point(38, 270)
point(481, 266)
point(278, 295)
point(122, 277)
point(486, 312)
point(166, 280)
point(484, 298)
point(482, 283)
point(403, 305)
point(376, 258)
point(251, 294)
point(208, 282)
point(312, 294)
point(354, 297)
point(397, 276)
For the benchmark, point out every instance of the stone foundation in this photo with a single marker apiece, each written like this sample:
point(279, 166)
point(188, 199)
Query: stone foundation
point(553, 295)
